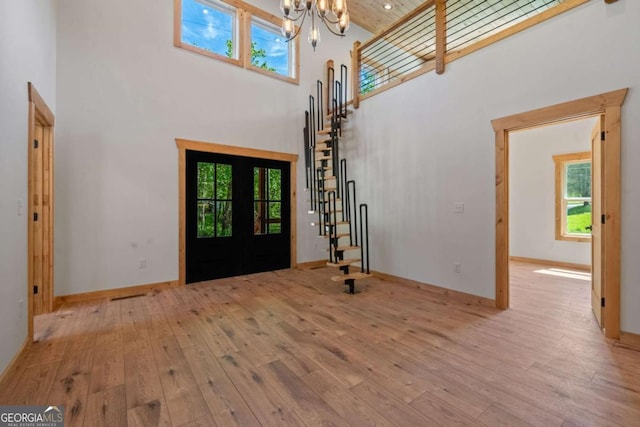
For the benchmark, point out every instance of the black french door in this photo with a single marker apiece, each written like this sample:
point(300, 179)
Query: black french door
point(237, 215)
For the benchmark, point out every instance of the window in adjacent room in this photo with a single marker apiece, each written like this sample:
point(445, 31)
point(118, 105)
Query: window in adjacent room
point(573, 196)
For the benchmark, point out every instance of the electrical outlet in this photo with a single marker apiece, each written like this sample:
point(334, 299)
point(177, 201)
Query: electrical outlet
point(142, 263)
point(458, 207)
point(456, 267)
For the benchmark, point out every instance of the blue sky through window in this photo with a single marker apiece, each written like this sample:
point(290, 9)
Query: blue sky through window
point(209, 26)
point(206, 27)
point(274, 45)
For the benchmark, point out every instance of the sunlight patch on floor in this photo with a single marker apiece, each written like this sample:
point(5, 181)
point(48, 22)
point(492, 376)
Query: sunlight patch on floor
point(569, 274)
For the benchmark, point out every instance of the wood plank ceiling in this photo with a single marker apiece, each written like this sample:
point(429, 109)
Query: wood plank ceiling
point(371, 15)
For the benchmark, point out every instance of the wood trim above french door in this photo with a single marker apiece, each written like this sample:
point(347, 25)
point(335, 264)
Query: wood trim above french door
point(210, 147)
point(606, 104)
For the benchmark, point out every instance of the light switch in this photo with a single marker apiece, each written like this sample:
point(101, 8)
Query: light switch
point(459, 207)
point(20, 207)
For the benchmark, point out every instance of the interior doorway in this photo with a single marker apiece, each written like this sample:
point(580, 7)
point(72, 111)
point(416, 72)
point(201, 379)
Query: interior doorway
point(554, 200)
point(607, 105)
point(40, 207)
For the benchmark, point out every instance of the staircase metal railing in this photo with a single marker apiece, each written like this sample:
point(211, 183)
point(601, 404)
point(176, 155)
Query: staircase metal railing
point(319, 93)
point(321, 202)
point(343, 94)
point(333, 228)
point(364, 244)
point(307, 153)
point(312, 148)
point(335, 147)
point(330, 83)
point(343, 186)
point(337, 107)
point(353, 225)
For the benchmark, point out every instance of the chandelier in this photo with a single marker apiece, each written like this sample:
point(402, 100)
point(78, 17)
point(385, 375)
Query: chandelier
point(297, 10)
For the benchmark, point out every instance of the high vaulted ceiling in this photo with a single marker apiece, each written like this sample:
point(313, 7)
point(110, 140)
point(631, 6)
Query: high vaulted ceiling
point(371, 15)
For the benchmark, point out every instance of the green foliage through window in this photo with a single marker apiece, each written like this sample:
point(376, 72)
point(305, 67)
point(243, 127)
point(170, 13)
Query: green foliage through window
point(577, 194)
point(367, 81)
point(578, 179)
point(214, 200)
point(257, 56)
point(267, 195)
point(578, 217)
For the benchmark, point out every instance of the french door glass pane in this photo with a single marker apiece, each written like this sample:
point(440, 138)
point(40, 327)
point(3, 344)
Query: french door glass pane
point(206, 176)
point(223, 181)
point(275, 184)
point(205, 219)
point(260, 218)
point(258, 183)
point(214, 204)
point(275, 217)
point(223, 218)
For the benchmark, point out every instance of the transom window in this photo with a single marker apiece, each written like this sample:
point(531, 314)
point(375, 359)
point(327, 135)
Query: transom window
point(573, 196)
point(269, 49)
point(210, 27)
point(219, 30)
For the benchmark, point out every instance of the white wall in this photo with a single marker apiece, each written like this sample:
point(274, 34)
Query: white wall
point(429, 143)
point(124, 93)
point(532, 191)
point(27, 52)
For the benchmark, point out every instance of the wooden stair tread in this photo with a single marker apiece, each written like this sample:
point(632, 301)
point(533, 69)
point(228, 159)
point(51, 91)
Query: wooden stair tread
point(354, 276)
point(318, 158)
point(325, 131)
point(347, 248)
point(343, 263)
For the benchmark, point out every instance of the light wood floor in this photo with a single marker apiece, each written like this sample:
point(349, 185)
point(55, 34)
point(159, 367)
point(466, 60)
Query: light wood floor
point(288, 348)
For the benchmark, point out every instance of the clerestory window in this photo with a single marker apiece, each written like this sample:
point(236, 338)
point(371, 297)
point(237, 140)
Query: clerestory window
point(237, 33)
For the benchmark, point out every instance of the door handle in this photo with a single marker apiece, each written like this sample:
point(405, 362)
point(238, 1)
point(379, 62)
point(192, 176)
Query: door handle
point(589, 227)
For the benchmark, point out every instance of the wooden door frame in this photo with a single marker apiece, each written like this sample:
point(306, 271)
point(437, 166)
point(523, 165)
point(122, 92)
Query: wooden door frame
point(609, 105)
point(211, 147)
point(41, 115)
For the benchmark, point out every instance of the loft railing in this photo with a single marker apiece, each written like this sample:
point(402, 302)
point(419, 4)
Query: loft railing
point(439, 32)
